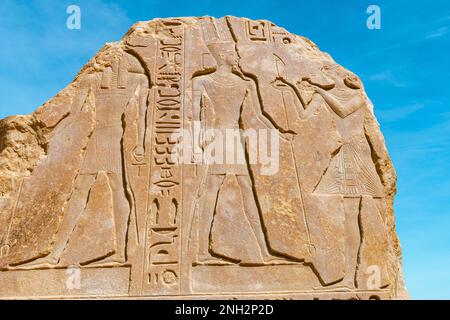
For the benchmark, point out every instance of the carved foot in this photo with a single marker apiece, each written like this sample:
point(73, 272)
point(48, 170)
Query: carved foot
point(210, 260)
point(45, 262)
point(109, 261)
point(343, 285)
point(275, 260)
point(265, 260)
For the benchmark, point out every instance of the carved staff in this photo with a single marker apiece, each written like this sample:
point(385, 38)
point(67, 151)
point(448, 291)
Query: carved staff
point(277, 64)
point(4, 251)
point(195, 207)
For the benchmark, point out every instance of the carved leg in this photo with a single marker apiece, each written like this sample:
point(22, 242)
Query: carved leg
point(206, 210)
point(121, 208)
point(72, 215)
point(352, 240)
point(253, 216)
point(121, 213)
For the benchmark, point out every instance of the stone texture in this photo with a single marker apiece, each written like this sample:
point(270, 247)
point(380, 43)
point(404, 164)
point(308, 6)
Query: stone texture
point(109, 186)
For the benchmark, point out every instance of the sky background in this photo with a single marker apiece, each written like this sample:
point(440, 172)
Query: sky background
point(405, 68)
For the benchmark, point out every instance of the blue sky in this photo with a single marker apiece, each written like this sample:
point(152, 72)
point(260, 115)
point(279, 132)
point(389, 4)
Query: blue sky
point(404, 65)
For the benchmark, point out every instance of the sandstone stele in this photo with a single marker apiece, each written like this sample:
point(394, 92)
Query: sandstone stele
point(200, 158)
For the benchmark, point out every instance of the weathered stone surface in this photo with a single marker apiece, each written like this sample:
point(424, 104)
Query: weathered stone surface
point(201, 158)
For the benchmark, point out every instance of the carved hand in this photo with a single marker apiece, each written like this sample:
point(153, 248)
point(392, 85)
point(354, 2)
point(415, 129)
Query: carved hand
point(139, 153)
point(280, 85)
point(319, 90)
point(289, 136)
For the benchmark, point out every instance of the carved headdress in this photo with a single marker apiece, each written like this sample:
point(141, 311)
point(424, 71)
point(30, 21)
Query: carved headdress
point(217, 35)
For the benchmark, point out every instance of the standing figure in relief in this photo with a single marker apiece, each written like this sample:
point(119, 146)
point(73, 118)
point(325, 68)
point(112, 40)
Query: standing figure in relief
point(120, 84)
point(351, 172)
point(225, 94)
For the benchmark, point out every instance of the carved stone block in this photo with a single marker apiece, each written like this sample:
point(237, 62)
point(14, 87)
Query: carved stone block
point(200, 158)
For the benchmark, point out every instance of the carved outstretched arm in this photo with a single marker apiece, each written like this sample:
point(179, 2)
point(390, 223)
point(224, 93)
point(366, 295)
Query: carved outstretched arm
point(140, 98)
point(253, 94)
point(310, 109)
point(142, 115)
point(341, 109)
point(297, 107)
point(197, 109)
point(197, 99)
point(303, 109)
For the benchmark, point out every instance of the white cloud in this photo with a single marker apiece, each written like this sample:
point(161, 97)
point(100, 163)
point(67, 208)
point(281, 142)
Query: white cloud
point(388, 77)
point(40, 55)
point(440, 32)
point(424, 143)
point(39, 29)
point(399, 113)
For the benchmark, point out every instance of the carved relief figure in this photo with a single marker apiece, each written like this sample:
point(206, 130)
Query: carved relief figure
point(226, 94)
point(351, 172)
point(110, 185)
point(120, 84)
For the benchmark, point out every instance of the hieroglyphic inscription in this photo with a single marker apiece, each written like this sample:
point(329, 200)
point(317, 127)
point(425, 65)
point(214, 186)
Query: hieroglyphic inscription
point(257, 30)
point(163, 242)
point(264, 31)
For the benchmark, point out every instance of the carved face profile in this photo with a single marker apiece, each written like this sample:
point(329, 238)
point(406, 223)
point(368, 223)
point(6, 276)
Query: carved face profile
point(352, 81)
point(224, 53)
point(316, 76)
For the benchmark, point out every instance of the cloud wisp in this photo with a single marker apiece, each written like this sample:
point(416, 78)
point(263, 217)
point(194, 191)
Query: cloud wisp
point(397, 113)
point(387, 76)
point(440, 32)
